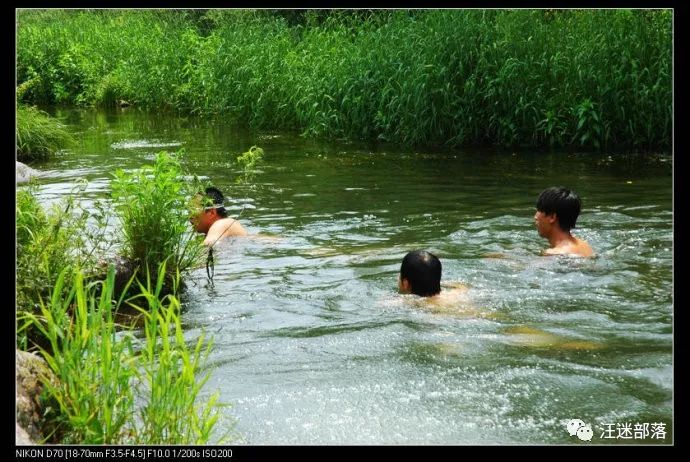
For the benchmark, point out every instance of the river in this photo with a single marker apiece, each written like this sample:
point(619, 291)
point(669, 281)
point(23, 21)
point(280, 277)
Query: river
point(312, 342)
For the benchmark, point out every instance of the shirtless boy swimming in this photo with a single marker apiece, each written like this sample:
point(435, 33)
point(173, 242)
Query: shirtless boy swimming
point(557, 212)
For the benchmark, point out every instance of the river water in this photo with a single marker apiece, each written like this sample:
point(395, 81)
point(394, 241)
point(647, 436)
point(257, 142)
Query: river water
point(312, 342)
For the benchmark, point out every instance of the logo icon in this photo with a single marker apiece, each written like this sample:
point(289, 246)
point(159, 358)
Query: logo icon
point(579, 428)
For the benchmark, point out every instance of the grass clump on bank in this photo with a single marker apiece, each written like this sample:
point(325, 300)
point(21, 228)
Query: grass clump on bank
point(592, 79)
point(152, 211)
point(48, 244)
point(110, 389)
point(171, 415)
point(38, 135)
point(153, 214)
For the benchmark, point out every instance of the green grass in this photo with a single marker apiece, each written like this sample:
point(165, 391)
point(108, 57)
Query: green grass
point(171, 415)
point(110, 389)
point(591, 79)
point(151, 204)
point(249, 160)
point(94, 370)
point(39, 136)
point(48, 243)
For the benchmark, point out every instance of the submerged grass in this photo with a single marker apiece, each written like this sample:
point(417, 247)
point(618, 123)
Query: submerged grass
point(249, 160)
point(594, 79)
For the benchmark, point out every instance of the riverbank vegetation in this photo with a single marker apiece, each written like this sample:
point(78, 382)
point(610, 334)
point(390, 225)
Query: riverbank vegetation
point(592, 79)
point(39, 136)
point(112, 386)
point(48, 244)
point(153, 218)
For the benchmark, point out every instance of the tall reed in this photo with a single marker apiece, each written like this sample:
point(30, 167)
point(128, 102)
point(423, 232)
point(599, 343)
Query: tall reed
point(592, 79)
point(109, 389)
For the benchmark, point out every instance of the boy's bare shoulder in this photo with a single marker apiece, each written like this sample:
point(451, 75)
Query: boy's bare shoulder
point(578, 248)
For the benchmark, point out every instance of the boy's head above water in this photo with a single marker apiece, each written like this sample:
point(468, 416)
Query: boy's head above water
point(562, 202)
point(557, 212)
point(420, 274)
point(208, 208)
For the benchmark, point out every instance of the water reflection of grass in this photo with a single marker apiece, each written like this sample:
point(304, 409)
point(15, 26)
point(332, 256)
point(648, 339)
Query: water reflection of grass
point(320, 331)
point(430, 352)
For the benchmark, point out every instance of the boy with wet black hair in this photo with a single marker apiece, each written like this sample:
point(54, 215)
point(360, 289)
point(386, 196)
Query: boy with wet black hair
point(557, 212)
point(420, 274)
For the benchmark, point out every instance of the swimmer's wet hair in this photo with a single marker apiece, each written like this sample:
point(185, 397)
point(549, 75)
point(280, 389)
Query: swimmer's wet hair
point(563, 202)
point(423, 271)
point(217, 199)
